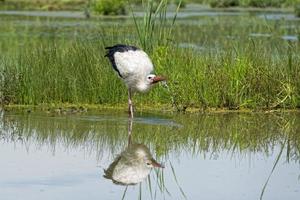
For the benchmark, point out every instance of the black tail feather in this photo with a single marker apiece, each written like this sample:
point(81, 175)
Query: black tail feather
point(117, 48)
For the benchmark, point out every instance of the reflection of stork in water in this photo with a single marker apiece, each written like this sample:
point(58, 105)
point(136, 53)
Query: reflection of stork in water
point(133, 165)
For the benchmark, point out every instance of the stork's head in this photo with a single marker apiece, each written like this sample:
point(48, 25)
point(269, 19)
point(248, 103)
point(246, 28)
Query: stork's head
point(152, 79)
point(145, 84)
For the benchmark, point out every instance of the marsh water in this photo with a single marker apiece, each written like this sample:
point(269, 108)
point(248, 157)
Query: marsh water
point(205, 156)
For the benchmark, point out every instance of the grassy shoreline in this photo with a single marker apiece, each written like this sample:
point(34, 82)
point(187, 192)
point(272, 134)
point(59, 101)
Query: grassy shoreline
point(69, 109)
point(80, 5)
point(64, 70)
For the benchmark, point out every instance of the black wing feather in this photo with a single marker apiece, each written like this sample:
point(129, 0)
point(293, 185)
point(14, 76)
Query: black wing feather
point(118, 48)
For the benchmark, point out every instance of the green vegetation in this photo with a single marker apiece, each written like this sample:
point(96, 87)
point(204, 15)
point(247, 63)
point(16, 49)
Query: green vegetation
point(224, 3)
point(42, 4)
point(118, 7)
point(266, 3)
point(181, 3)
point(233, 62)
point(247, 3)
point(109, 7)
point(155, 29)
point(297, 10)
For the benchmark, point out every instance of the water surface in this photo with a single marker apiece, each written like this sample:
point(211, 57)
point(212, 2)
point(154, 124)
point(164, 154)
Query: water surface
point(206, 156)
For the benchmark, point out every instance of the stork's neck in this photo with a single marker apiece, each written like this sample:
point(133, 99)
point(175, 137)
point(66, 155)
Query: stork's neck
point(143, 86)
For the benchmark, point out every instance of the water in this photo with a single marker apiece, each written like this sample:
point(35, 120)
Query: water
point(206, 156)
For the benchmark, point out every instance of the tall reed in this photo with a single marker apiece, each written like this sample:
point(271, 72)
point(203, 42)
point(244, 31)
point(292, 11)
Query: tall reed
point(155, 29)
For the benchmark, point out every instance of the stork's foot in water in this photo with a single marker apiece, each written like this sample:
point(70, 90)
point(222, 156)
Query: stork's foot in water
point(130, 110)
point(130, 106)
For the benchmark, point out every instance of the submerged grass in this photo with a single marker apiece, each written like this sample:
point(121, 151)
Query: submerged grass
point(219, 62)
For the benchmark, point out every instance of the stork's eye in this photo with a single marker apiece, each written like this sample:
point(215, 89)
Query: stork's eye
point(148, 163)
point(149, 77)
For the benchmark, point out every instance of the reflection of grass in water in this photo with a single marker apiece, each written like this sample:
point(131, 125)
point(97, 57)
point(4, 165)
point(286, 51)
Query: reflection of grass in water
point(156, 185)
point(177, 183)
point(274, 166)
point(204, 134)
point(151, 184)
point(241, 134)
point(124, 194)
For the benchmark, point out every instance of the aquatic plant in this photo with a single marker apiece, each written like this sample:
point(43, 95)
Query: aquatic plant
point(297, 9)
point(155, 29)
point(181, 3)
point(109, 7)
point(224, 3)
point(246, 3)
point(42, 4)
point(265, 3)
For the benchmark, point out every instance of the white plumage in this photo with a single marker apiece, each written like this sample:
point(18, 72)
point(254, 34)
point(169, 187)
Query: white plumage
point(135, 67)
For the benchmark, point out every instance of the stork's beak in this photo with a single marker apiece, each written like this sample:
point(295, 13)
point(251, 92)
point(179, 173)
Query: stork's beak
point(157, 79)
point(156, 164)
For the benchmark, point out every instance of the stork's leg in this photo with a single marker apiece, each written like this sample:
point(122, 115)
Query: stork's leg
point(130, 107)
point(129, 130)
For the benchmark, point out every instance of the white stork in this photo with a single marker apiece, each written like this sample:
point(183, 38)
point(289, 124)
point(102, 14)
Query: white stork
point(134, 67)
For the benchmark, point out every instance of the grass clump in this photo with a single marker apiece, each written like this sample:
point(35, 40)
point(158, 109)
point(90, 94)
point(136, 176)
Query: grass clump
point(247, 3)
point(110, 7)
point(224, 3)
point(155, 29)
point(297, 10)
point(42, 4)
point(266, 3)
point(181, 3)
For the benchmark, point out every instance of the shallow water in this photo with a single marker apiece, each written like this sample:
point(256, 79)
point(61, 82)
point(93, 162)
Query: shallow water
point(184, 13)
point(206, 156)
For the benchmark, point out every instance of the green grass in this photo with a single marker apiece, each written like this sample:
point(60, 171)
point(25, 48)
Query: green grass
point(82, 4)
point(109, 7)
point(297, 9)
point(246, 3)
point(155, 29)
point(49, 60)
point(42, 4)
